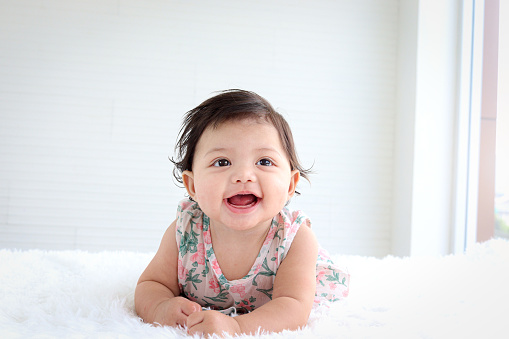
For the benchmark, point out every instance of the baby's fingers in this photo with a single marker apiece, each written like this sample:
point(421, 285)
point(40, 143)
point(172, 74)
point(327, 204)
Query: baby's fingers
point(193, 320)
point(182, 309)
point(189, 307)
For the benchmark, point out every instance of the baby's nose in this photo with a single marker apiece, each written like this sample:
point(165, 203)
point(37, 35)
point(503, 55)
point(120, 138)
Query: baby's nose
point(244, 174)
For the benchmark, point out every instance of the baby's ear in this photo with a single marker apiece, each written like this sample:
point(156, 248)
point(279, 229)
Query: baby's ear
point(188, 180)
point(294, 180)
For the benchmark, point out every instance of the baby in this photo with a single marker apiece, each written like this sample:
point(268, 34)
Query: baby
point(235, 248)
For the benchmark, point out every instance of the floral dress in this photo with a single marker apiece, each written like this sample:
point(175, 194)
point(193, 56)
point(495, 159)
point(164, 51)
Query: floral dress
point(201, 280)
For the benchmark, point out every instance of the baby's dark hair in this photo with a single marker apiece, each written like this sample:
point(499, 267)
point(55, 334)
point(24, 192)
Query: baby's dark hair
point(229, 105)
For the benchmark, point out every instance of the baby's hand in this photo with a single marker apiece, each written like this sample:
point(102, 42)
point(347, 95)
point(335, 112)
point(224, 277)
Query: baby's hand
point(211, 322)
point(175, 311)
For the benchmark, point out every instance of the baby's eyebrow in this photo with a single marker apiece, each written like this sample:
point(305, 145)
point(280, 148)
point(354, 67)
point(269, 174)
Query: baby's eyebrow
point(270, 149)
point(226, 149)
point(216, 149)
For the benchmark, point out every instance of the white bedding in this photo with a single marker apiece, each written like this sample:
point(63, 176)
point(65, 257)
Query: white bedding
point(67, 294)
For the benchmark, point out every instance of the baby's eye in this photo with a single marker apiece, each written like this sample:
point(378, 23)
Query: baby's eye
point(221, 163)
point(265, 162)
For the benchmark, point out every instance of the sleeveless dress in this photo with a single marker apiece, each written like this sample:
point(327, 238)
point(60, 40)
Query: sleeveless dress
point(201, 280)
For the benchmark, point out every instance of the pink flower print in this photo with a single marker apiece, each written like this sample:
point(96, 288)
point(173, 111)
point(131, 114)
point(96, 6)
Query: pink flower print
point(215, 267)
point(332, 286)
point(214, 285)
point(258, 268)
point(345, 293)
point(206, 238)
point(181, 270)
point(270, 235)
point(322, 253)
point(245, 304)
point(186, 204)
point(199, 256)
point(241, 290)
point(320, 276)
point(199, 225)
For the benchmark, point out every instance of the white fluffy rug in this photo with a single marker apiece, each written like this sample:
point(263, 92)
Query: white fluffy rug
point(75, 294)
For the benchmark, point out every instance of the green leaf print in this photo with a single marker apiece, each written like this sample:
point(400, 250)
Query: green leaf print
point(221, 297)
point(189, 241)
point(205, 271)
point(335, 278)
point(206, 222)
point(266, 271)
point(179, 212)
point(193, 278)
point(299, 219)
point(279, 230)
point(267, 292)
point(184, 240)
point(193, 219)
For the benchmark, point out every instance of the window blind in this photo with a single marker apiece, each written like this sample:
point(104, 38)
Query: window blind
point(92, 95)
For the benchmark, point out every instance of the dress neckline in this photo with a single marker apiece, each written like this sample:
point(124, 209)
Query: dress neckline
point(258, 263)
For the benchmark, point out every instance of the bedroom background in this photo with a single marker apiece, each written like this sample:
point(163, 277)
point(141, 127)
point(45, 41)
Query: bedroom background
point(92, 94)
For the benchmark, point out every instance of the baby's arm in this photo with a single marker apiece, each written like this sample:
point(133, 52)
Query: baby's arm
point(157, 297)
point(292, 298)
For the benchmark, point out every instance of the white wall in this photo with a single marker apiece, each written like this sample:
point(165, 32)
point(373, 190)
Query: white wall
point(92, 94)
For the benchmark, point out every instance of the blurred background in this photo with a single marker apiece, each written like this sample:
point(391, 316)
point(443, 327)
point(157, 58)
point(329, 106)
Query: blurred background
point(92, 95)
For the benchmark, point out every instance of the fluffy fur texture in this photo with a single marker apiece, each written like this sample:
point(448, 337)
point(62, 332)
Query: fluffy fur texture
point(67, 294)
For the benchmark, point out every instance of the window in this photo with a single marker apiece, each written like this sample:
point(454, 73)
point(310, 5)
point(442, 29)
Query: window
point(502, 130)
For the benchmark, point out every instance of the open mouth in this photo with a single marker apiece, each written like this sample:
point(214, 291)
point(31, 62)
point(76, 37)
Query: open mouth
point(243, 200)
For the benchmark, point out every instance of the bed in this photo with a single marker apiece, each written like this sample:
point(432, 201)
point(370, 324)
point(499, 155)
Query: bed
point(76, 294)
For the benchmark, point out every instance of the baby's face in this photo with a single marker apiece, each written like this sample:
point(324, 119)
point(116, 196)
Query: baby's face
point(241, 175)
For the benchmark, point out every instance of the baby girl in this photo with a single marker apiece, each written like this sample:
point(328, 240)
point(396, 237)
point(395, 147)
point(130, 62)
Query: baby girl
point(237, 259)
